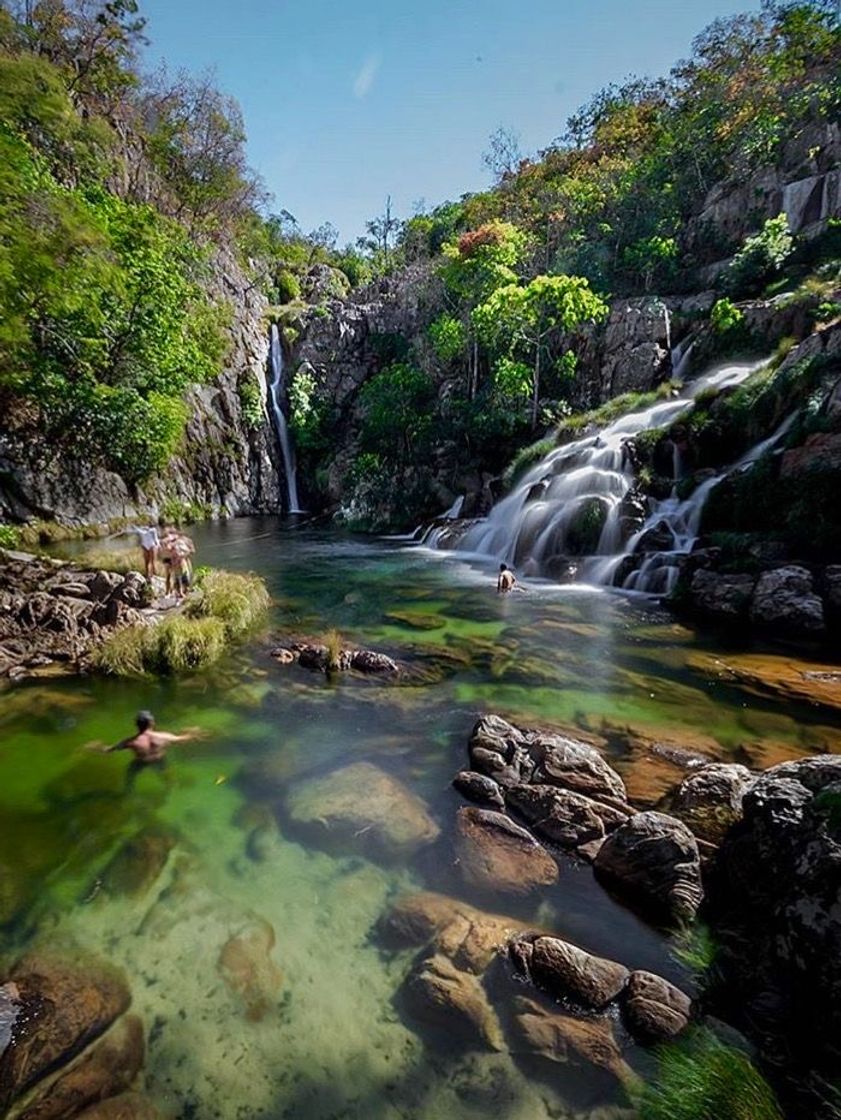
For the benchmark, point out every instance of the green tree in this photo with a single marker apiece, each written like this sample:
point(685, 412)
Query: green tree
point(396, 405)
point(528, 316)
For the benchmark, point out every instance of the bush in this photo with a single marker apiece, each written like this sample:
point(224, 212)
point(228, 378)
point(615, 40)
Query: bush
point(251, 402)
point(288, 286)
point(395, 411)
point(760, 258)
point(448, 337)
point(700, 1078)
point(9, 536)
point(726, 317)
point(238, 600)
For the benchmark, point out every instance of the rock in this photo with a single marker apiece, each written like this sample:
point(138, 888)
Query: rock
point(67, 1000)
point(710, 799)
point(720, 595)
point(139, 863)
point(104, 583)
point(245, 964)
point(9, 1012)
point(439, 993)
point(128, 1106)
point(135, 591)
point(821, 451)
point(780, 677)
point(563, 817)
point(559, 1037)
point(785, 602)
point(362, 806)
point(773, 909)
point(470, 938)
point(496, 854)
point(655, 859)
point(108, 1068)
point(369, 661)
point(510, 755)
point(567, 972)
point(476, 787)
point(655, 1010)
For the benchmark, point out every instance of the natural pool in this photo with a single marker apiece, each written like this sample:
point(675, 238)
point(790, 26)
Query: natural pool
point(334, 1042)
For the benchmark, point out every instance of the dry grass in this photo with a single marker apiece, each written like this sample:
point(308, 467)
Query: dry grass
point(120, 560)
point(333, 648)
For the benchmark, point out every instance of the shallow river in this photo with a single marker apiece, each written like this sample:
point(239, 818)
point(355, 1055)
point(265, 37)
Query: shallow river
point(335, 1042)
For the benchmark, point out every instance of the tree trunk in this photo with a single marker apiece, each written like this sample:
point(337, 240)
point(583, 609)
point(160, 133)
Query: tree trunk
point(474, 370)
point(535, 387)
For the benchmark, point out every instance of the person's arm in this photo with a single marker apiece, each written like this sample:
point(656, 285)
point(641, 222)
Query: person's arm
point(170, 737)
point(499, 583)
point(101, 748)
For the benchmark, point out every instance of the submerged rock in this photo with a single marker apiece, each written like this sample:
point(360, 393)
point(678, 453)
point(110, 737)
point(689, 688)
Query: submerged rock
point(654, 858)
point(245, 964)
point(494, 853)
point(128, 1106)
point(67, 1000)
point(567, 972)
point(438, 992)
point(139, 862)
point(364, 807)
point(559, 1037)
point(655, 1010)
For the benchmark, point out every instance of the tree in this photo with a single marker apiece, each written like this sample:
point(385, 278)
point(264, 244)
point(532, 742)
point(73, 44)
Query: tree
point(503, 156)
point(381, 233)
point(529, 315)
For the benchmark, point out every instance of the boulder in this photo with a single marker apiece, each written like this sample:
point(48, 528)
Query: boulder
point(773, 909)
point(138, 863)
point(654, 1010)
point(821, 451)
point(654, 859)
point(721, 596)
point(569, 973)
point(479, 788)
point(105, 583)
point(785, 603)
point(439, 993)
point(106, 1069)
point(496, 854)
point(509, 755)
point(561, 816)
point(246, 965)
point(559, 1037)
point(363, 807)
point(709, 800)
point(369, 661)
point(67, 1000)
point(9, 1012)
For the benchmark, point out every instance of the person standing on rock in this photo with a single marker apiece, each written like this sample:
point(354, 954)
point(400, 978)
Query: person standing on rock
point(150, 542)
point(148, 746)
point(507, 580)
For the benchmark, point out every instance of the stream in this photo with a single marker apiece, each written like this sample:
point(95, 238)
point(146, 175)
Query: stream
point(336, 1043)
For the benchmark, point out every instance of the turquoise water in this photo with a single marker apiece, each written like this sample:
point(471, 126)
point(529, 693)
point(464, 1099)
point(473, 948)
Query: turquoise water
point(220, 857)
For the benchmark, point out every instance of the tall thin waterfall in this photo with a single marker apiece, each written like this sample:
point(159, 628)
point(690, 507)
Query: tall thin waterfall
point(575, 500)
point(276, 390)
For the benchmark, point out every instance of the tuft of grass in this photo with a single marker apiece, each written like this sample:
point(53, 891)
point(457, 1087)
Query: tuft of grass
point(701, 1078)
point(126, 653)
point(696, 948)
point(177, 645)
point(120, 560)
point(236, 599)
point(333, 648)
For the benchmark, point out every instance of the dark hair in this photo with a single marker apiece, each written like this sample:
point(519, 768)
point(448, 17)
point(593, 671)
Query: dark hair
point(503, 567)
point(144, 720)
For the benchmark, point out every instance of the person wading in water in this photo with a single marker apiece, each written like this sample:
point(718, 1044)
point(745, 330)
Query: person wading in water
point(507, 580)
point(148, 746)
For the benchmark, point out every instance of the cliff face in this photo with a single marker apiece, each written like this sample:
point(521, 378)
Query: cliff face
point(223, 468)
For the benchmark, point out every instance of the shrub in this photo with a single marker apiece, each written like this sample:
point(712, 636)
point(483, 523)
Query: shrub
point(759, 258)
point(448, 337)
point(288, 286)
point(237, 599)
point(700, 1078)
point(251, 402)
point(726, 317)
point(9, 536)
point(395, 409)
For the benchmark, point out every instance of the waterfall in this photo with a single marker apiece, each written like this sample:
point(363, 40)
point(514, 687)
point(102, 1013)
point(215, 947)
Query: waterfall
point(276, 391)
point(568, 516)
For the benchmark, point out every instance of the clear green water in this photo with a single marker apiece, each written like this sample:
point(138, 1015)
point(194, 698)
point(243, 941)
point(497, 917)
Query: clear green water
point(333, 1044)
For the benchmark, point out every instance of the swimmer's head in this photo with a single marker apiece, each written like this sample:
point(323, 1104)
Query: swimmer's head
point(144, 721)
point(503, 567)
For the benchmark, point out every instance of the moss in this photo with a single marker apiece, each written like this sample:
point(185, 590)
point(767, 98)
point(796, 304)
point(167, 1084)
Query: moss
point(526, 458)
point(701, 1078)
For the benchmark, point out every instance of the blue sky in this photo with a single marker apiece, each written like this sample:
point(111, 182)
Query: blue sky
point(346, 103)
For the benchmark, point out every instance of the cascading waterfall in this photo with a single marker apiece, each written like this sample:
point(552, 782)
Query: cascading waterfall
point(276, 389)
point(574, 501)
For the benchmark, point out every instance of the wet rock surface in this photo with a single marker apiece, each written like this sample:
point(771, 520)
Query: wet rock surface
point(364, 807)
point(248, 968)
point(567, 972)
point(560, 1037)
point(52, 615)
point(654, 1010)
point(480, 789)
point(494, 853)
point(785, 601)
point(709, 800)
point(317, 656)
point(438, 992)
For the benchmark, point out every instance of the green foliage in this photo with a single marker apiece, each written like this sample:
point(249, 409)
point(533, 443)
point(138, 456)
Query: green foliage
point(395, 407)
point(288, 286)
point(759, 258)
point(9, 536)
point(511, 382)
point(236, 599)
point(525, 458)
point(696, 949)
point(482, 260)
point(251, 402)
point(702, 1078)
point(448, 337)
point(655, 260)
point(725, 317)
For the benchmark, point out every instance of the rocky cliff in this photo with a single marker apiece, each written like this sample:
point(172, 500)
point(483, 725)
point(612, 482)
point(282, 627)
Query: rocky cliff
point(224, 467)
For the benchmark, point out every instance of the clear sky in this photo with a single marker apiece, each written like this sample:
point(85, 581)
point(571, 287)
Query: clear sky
point(348, 101)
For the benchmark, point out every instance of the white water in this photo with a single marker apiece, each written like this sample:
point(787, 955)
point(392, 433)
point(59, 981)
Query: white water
point(276, 386)
point(534, 527)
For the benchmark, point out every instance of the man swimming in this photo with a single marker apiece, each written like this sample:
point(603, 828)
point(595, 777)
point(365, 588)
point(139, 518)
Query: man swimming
point(507, 580)
point(149, 746)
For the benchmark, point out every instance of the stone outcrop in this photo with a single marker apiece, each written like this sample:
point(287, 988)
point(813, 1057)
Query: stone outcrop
point(479, 788)
point(317, 656)
point(567, 972)
point(494, 853)
point(654, 1010)
point(709, 800)
point(653, 859)
point(362, 807)
point(52, 614)
point(774, 912)
point(785, 601)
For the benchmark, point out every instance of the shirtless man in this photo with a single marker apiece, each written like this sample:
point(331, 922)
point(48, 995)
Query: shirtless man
point(149, 746)
point(507, 579)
